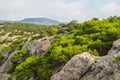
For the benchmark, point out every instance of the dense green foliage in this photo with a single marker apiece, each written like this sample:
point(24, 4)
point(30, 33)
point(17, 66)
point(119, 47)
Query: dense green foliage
point(18, 58)
point(94, 36)
point(33, 67)
point(19, 54)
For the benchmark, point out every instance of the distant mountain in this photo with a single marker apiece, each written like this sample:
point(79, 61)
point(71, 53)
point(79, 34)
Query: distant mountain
point(1, 21)
point(42, 21)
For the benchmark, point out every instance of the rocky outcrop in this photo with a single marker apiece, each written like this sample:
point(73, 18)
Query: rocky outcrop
point(36, 47)
point(7, 64)
point(75, 68)
point(88, 67)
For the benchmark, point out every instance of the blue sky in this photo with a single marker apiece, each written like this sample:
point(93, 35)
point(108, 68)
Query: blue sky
point(63, 10)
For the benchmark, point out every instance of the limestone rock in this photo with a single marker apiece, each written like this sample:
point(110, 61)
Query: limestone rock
point(75, 68)
point(7, 64)
point(38, 47)
point(87, 67)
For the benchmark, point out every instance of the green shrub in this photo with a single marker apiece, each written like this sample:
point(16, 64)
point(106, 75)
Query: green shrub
point(26, 69)
point(116, 59)
point(18, 58)
point(9, 78)
point(20, 54)
point(94, 36)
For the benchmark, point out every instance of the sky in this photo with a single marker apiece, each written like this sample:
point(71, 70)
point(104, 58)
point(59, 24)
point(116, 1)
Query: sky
point(62, 10)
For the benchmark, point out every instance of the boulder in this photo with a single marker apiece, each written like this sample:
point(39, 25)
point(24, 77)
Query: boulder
point(88, 67)
point(75, 68)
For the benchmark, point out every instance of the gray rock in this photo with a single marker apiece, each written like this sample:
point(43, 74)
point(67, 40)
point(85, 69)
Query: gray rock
point(75, 68)
point(7, 64)
point(88, 67)
point(38, 47)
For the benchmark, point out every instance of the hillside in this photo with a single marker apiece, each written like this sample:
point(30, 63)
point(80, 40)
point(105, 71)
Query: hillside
point(42, 21)
point(2, 21)
point(37, 52)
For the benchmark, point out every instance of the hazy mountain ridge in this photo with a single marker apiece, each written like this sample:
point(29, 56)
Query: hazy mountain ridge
point(2, 21)
point(41, 21)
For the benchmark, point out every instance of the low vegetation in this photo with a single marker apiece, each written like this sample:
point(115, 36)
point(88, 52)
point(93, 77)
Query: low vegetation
point(94, 36)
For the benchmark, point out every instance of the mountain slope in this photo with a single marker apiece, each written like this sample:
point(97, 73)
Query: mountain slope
point(43, 21)
point(24, 54)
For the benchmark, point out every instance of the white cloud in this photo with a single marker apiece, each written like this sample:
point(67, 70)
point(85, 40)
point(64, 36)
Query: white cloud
point(64, 10)
point(111, 8)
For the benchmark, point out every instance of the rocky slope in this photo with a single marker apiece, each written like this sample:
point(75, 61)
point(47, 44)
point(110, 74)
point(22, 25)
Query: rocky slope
point(88, 67)
point(35, 48)
point(24, 53)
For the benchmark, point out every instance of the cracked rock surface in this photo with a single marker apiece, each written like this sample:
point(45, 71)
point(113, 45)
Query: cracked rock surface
point(88, 67)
